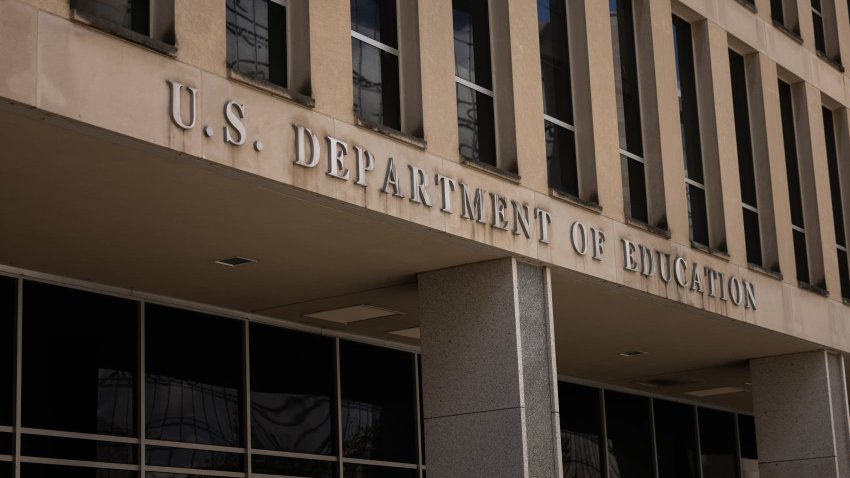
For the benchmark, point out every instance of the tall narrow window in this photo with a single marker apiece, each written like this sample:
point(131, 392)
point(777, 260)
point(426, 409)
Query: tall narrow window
point(474, 81)
point(581, 430)
point(256, 39)
point(784, 15)
point(375, 60)
point(557, 96)
point(837, 201)
point(676, 440)
point(629, 424)
point(628, 109)
point(689, 118)
point(817, 21)
point(746, 167)
point(717, 440)
point(792, 168)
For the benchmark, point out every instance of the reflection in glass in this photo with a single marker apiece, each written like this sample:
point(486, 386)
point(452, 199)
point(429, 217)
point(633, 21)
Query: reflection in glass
point(581, 430)
point(378, 403)
point(718, 446)
point(561, 158)
point(256, 39)
point(275, 465)
point(197, 459)
point(375, 19)
point(376, 85)
point(792, 171)
point(131, 14)
point(749, 450)
point(555, 60)
point(32, 470)
point(80, 450)
point(8, 319)
point(676, 440)
point(472, 41)
point(193, 387)
point(629, 426)
point(365, 471)
point(79, 375)
point(292, 385)
point(475, 125)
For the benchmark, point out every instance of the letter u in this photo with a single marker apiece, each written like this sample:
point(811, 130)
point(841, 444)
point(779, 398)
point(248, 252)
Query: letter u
point(176, 105)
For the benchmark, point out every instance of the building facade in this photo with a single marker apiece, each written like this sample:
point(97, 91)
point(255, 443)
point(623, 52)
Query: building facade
point(410, 238)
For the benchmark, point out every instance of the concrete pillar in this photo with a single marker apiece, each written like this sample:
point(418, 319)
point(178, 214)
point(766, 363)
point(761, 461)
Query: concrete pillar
point(800, 405)
point(488, 371)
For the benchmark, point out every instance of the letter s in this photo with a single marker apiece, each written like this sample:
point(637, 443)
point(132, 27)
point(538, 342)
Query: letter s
point(233, 114)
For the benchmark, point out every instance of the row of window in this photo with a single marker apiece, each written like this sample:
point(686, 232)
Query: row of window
point(111, 384)
point(640, 437)
point(257, 38)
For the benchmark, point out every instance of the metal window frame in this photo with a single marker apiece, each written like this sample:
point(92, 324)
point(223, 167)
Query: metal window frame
point(557, 122)
point(473, 86)
point(374, 43)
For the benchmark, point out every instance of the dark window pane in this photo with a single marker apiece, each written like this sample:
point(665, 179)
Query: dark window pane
point(688, 111)
point(817, 21)
point(375, 19)
point(365, 471)
point(7, 444)
point(376, 88)
point(742, 129)
point(159, 474)
point(275, 465)
point(581, 430)
point(8, 341)
point(131, 14)
point(32, 470)
point(197, 459)
point(776, 11)
point(555, 59)
point(561, 158)
point(378, 403)
point(79, 375)
point(844, 273)
point(256, 39)
point(472, 41)
point(676, 441)
point(194, 379)
point(82, 450)
point(801, 256)
point(697, 215)
point(834, 177)
point(718, 444)
point(791, 165)
point(634, 182)
point(753, 236)
point(421, 410)
point(292, 390)
point(629, 435)
point(476, 129)
point(6, 470)
point(626, 76)
point(747, 441)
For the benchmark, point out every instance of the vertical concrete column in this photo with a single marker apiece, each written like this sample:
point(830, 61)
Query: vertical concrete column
point(330, 40)
point(800, 405)
point(439, 98)
point(489, 379)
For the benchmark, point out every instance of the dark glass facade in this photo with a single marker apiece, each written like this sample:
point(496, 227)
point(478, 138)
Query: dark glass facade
point(581, 433)
point(256, 39)
point(629, 427)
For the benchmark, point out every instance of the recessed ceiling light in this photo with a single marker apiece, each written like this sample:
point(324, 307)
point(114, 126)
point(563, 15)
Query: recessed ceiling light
point(711, 392)
point(633, 353)
point(235, 261)
point(412, 333)
point(354, 313)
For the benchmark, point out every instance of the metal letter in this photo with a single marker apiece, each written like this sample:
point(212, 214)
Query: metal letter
point(447, 185)
point(696, 280)
point(301, 149)
point(579, 234)
point(543, 221)
point(176, 106)
point(681, 271)
point(499, 206)
point(336, 156)
point(391, 179)
point(711, 275)
point(468, 210)
point(664, 266)
point(364, 161)
point(722, 287)
point(629, 262)
point(750, 296)
point(418, 182)
point(598, 242)
point(233, 114)
point(647, 265)
point(735, 293)
point(521, 220)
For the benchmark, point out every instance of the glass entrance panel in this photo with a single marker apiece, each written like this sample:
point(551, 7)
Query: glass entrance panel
point(676, 440)
point(629, 425)
point(581, 430)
